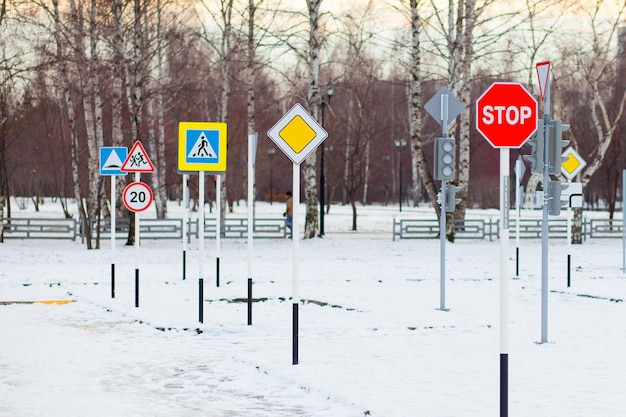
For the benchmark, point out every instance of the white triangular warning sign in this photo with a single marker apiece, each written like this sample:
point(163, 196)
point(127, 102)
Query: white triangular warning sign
point(137, 160)
point(113, 161)
point(202, 149)
point(543, 73)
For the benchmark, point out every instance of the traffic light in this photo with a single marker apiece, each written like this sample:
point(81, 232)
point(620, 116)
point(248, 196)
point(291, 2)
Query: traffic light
point(555, 202)
point(556, 146)
point(451, 200)
point(536, 154)
point(444, 159)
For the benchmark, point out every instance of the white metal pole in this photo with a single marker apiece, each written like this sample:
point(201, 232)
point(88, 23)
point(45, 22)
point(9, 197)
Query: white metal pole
point(218, 227)
point(251, 144)
point(518, 212)
point(295, 230)
point(137, 243)
point(504, 278)
point(113, 227)
point(569, 239)
point(201, 225)
point(185, 220)
point(295, 234)
point(201, 247)
point(250, 203)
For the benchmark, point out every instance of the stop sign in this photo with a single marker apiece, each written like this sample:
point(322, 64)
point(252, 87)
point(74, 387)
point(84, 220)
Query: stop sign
point(506, 115)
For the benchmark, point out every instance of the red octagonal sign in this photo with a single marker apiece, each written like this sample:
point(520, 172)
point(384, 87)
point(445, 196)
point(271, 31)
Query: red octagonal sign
point(506, 115)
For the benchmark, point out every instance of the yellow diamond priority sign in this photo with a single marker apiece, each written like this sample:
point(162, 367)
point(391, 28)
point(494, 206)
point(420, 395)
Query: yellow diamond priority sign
point(297, 134)
point(572, 163)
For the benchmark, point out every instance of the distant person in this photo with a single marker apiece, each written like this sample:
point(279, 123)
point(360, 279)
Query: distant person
point(288, 214)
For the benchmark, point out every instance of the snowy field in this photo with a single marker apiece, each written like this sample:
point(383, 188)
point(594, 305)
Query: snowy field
point(372, 338)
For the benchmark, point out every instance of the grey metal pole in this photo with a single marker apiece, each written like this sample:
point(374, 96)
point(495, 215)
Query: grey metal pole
point(442, 217)
point(624, 220)
point(544, 225)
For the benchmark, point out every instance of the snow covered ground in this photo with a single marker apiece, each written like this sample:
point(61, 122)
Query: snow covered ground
point(372, 338)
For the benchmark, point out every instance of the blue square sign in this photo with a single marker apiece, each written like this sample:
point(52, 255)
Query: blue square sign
point(111, 160)
point(202, 146)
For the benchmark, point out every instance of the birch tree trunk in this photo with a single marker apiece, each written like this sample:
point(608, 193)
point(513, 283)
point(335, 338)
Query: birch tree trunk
point(154, 114)
point(415, 90)
point(71, 113)
point(226, 52)
point(367, 171)
point(595, 69)
point(250, 69)
point(463, 175)
point(605, 129)
point(313, 98)
point(134, 91)
point(88, 90)
point(117, 92)
point(92, 109)
point(250, 78)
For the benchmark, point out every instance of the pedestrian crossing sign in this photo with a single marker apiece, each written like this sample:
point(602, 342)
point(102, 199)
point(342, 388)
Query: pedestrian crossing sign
point(111, 160)
point(202, 146)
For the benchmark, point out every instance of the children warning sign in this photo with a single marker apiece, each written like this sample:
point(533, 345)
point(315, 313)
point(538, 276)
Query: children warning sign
point(137, 160)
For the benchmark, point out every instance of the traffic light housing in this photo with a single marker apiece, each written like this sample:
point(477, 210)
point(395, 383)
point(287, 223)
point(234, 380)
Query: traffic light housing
point(444, 159)
point(536, 143)
point(451, 200)
point(556, 146)
point(555, 201)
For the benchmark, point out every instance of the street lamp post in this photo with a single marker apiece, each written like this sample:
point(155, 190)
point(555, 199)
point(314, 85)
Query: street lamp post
point(270, 155)
point(329, 92)
point(400, 144)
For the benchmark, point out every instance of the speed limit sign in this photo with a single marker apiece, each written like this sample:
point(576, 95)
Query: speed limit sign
point(137, 196)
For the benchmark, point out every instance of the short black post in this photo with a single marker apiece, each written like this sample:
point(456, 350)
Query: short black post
point(517, 261)
point(295, 334)
point(184, 265)
point(569, 269)
point(504, 385)
point(200, 300)
point(217, 272)
point(112, 280)
point(249, 301)
point(136, 287)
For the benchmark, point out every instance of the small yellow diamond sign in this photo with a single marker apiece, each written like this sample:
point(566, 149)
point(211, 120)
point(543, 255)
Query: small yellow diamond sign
point(297, 134)
point(572, 164)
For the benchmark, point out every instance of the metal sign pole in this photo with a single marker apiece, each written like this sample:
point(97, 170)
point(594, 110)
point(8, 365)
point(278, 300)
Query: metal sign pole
point(184, 225)
point(251, 139)
point(569, 240)
point(544, 225)
point(295, 234)
point(624, 221)
point(137, 243)
point(518, 206)
point(113, 214)
point(442, 217)
point(504, 280)
point(201, 247)
point(218, 227)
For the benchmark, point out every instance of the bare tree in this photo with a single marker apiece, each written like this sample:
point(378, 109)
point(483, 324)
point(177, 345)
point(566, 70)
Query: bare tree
point(595, 62)
point(415, 92)
point(314, 102)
